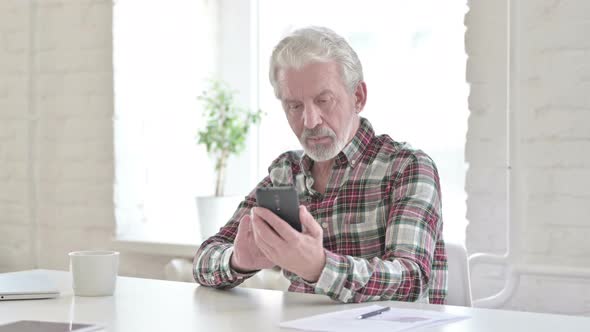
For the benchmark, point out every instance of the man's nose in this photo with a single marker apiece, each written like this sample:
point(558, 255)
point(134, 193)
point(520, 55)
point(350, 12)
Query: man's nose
point(312, 116)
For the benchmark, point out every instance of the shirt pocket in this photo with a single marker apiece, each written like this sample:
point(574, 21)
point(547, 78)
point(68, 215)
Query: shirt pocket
point(361, 221)
point(362, 209)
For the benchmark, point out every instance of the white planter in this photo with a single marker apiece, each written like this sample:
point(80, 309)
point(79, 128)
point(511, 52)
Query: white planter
point(214, 212)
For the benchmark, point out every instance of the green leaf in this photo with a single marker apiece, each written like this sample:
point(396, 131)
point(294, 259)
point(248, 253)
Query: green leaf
point(226, 123)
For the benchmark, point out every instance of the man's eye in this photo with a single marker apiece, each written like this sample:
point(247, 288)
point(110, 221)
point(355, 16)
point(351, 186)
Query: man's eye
point(294, 107)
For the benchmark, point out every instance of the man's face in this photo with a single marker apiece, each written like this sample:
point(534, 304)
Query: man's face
point(320, 109)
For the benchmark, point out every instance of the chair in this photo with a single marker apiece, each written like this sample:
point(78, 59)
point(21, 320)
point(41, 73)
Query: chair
point(459, 284)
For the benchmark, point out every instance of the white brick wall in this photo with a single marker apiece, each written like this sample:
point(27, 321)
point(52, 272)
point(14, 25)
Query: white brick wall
point(72, 66)
point(16, 251)
point(72, 95)
point(554, 115)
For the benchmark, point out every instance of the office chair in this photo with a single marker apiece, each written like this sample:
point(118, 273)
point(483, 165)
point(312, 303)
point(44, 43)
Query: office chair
point(459, 284)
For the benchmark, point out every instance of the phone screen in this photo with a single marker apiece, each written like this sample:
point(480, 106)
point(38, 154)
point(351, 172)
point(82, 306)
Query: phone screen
point(282, 201)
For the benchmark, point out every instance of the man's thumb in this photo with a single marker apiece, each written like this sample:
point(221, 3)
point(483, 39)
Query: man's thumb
point(310, 226)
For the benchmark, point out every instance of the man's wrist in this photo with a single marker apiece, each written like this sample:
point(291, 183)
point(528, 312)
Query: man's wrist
point(234, 266)
point(314, 276)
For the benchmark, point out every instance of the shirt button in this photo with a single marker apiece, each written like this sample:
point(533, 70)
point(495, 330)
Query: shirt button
point(325, 225)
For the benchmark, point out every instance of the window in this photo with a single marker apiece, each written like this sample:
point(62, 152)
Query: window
point(163, 52)
point(414, 63)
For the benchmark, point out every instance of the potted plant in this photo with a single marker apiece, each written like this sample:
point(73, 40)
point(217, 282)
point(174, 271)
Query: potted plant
point(224, 134)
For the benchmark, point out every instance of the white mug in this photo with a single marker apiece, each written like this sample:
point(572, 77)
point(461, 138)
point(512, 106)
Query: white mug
point(94, 273)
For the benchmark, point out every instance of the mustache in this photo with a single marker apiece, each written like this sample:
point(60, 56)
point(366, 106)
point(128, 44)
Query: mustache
point(319, 131)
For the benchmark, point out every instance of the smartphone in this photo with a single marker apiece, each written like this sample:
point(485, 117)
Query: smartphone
point(283, 201)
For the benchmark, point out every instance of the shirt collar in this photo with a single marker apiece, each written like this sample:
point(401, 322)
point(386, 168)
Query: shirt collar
point(352, 152)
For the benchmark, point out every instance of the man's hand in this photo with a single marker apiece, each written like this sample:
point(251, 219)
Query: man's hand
point(246, 256)
point(301, 253)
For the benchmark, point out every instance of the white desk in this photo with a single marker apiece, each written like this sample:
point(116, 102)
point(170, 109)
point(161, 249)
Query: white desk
point(156, 305)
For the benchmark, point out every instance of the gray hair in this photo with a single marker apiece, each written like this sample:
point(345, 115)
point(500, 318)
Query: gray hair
point(315, 44)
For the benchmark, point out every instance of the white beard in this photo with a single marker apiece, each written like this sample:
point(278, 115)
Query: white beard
point(321, 152)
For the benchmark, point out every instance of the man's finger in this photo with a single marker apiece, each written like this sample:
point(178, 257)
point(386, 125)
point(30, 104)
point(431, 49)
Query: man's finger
point(247, 220)
point(266, 232)
point(265, 247)
point(280, 226)
point(245, 225)
point(310, 225)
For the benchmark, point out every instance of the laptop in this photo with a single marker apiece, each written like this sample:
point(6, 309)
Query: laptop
point(26, 285)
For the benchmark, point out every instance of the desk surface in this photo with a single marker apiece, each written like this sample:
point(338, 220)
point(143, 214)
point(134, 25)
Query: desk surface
point(157, 305)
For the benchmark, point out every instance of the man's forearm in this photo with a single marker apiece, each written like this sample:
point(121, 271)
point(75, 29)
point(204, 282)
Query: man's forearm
point(350, 279)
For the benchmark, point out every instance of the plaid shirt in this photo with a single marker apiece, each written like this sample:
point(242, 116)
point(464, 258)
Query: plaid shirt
point(382, 222)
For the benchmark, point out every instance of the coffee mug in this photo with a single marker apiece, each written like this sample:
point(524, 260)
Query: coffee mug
point(94, 273)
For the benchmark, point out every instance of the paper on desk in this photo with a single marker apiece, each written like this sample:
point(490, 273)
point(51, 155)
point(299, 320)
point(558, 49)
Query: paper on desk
point(390, 321)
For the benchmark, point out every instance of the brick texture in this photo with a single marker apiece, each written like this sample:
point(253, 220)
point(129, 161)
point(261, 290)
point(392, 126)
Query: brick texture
point(16, 251)
point(56, 135)
point(553, 113)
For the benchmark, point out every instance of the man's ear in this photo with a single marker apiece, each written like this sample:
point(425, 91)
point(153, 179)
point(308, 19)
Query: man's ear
point(360, 94)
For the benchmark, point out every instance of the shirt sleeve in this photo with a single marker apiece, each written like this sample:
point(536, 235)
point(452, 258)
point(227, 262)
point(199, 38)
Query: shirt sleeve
point(413, 227)
point(211, 264)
